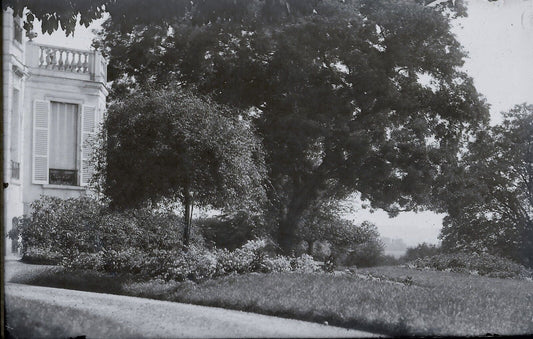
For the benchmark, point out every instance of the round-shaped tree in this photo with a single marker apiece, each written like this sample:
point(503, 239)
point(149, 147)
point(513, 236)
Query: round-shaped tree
point(170, 145)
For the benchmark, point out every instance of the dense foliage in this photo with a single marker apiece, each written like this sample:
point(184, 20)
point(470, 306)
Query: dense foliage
point(473, 263)
point(231, 230)
point(421, 251)
point(170, 145)
point(366, 254)
point(84, 233)
point(325, 231)
point(65, 228)
point(338, 96)
point(67, 13)
point(489, 196)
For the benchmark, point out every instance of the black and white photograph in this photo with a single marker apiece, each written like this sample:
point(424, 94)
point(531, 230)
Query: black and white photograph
point(267, 168)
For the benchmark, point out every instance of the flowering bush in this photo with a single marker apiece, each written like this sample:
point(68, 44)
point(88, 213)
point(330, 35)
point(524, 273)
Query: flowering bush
point(305, 263)
point(85, 261)
point(83, 233)
point(277, 264)
point(197, 263)
point(247, 258)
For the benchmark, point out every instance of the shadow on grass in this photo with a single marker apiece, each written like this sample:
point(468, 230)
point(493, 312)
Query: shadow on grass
point(88, 281)
point(36, 319)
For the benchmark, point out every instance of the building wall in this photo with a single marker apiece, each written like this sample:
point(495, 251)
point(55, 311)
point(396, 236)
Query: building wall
point(24, 71)
point(13, 71)
point(59, 89)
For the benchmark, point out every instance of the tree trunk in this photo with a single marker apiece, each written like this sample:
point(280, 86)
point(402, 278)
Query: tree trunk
point(189, 203)
point(310, 246)
point(305, 193)
point(288, 225)
point(287, 231)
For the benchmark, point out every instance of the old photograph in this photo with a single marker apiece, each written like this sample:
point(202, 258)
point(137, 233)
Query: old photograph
point(267, 168)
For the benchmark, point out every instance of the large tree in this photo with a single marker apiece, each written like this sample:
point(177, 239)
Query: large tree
point(67, 13)
point(489, 195)
point(170, 145)
point(359, 96)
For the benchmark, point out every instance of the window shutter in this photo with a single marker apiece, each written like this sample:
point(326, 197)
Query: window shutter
point(88, 132)
point(41, 121)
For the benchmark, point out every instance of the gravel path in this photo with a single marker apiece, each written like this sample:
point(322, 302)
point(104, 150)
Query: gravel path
point(140, 317)
point(163, 319)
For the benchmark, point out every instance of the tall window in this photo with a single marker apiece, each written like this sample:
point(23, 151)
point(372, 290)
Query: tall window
point(15, 135)
point(61, 151)
point(17, 31)
point(63, 156)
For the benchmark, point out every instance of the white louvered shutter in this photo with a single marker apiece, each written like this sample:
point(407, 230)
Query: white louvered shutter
point(88, 133)
point(41, 122)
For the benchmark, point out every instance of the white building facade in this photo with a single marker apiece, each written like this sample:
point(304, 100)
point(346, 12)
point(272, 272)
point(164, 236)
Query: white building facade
point(53, 102)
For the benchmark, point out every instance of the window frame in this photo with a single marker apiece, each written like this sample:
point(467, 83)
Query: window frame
point(18, 28)
point(18, 115)
point(80, 103)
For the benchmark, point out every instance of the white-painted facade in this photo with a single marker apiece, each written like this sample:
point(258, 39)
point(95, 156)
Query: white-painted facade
point(53, 100)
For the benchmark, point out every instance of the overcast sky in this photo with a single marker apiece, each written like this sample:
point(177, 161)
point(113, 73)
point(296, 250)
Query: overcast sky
point(498, 37)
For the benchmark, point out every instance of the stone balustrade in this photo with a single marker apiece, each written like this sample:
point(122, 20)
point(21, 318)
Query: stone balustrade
point(76, 62)
point(63, 59)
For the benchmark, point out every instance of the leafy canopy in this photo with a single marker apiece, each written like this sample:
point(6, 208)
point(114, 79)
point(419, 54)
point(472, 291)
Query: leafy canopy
point(65, 13)
point(172, 144)
point(489, 197)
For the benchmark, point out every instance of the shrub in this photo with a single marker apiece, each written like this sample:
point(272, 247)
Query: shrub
point(304, 263)
point(84, 261)
point(421, 251)
point(143, 229)
point(64, 226)
point(230, 231)
point(84, 234)
point(278, 263)
point(473, 263)
point(330, 263)
point(388, 260)
point(367, 254)
point(69, 227)
point(241, 260)
point(41, 256)
point(14, 232)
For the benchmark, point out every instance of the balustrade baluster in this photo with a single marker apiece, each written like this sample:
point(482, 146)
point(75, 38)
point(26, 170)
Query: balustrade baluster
point(53, 58)
point(80, 63)
point(48, 58)
point(86, 63)
point(73, 63)
point(41, 56)
point(63, 59)
point(67, 61)
point(60, 61)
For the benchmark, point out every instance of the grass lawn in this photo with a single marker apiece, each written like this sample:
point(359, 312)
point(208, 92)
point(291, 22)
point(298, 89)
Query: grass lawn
point(387, 300)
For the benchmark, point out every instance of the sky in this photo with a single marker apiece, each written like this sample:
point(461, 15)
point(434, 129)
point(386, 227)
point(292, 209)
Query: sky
point(498, 37)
